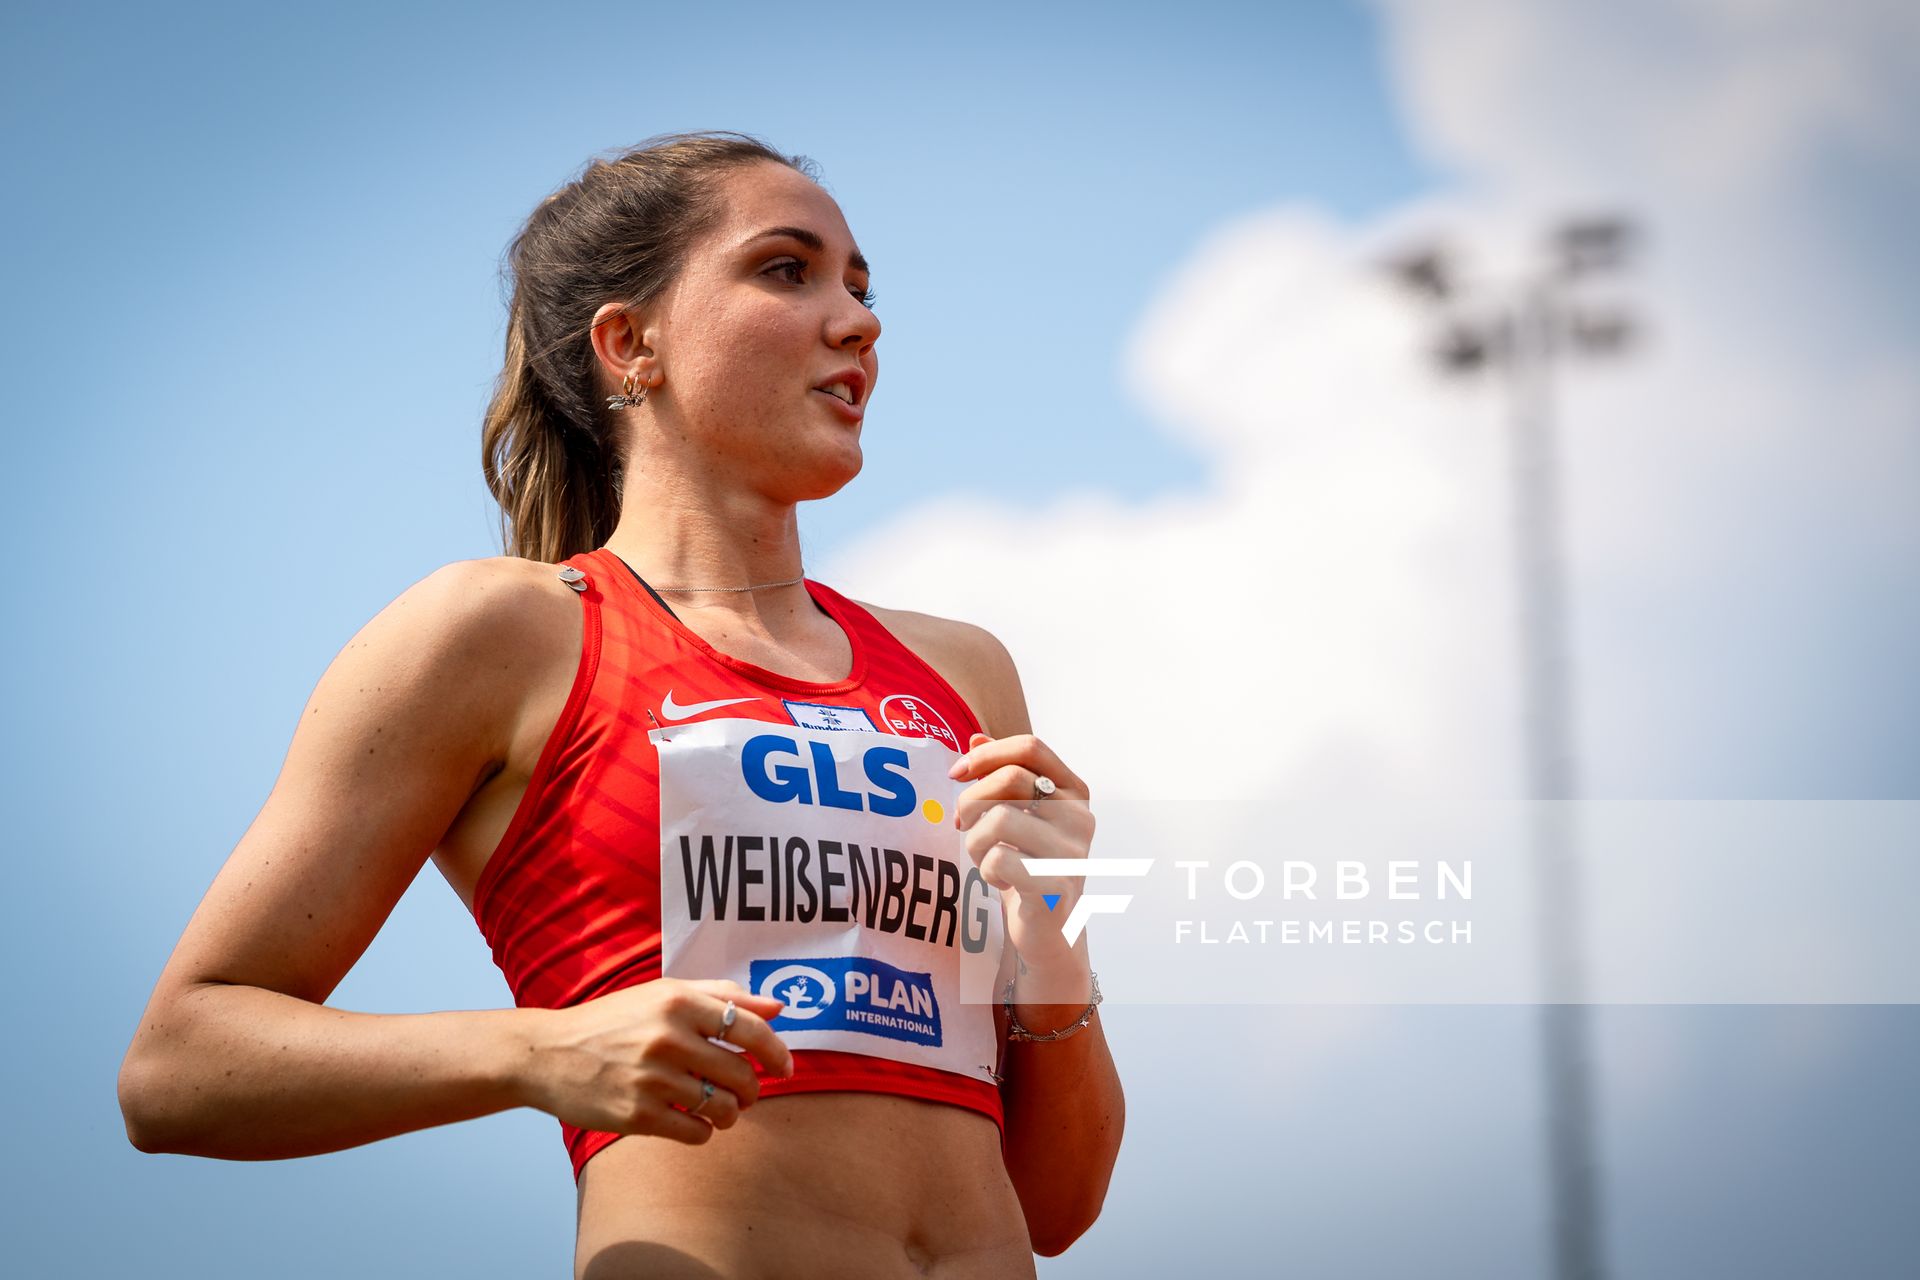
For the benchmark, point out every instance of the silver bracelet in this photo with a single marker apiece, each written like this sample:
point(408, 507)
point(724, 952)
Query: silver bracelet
point(1017, 1032)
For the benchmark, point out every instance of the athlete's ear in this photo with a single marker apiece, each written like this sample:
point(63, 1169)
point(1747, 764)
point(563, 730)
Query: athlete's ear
point(621, 341)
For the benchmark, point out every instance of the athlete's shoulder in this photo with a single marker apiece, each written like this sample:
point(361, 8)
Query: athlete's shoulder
point(490, 613)
point(928, 626)
point(494, 589)
point(969, 657)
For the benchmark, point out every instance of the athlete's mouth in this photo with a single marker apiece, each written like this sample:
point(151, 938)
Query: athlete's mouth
point(850, 411)
point(849, 386)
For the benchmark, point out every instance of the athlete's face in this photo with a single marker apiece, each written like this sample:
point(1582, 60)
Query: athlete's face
point(753, 325)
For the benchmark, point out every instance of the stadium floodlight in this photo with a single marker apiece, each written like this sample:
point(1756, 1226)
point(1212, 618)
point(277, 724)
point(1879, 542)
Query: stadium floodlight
point(1519, 327)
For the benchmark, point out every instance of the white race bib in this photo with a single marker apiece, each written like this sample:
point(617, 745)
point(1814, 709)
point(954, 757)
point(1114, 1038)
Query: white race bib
point(822, 867)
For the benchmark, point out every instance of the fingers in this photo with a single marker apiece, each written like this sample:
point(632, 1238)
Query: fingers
point(1004, 837)
point(719, 1109)
point(727, 989)
point(706, 1052)
point(732, 1071)
point(1013, 785)
point(680, 1126)
point(749, 1030)
point(1021, 749)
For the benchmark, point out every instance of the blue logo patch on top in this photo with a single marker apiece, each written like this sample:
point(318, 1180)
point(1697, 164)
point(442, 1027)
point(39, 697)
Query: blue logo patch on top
point(850, 993)
point(818, 715)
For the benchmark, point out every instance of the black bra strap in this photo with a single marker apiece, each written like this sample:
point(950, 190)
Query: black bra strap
point(650, 591)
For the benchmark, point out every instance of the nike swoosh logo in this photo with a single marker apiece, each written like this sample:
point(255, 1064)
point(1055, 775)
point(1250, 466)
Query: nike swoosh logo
point(671, 710)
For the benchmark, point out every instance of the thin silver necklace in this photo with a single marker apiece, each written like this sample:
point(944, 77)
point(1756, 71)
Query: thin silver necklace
point(755, 587)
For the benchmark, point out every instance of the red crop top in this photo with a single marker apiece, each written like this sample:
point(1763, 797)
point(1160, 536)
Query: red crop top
point(570, 901)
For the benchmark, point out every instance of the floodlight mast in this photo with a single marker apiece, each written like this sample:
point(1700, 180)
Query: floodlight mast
point(1523, 328)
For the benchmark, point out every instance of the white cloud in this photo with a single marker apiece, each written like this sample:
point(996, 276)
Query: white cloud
point(1330, 625)
point(1680, 101)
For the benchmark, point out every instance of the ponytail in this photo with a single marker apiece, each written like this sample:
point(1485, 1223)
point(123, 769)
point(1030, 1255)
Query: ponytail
point(555, 481)
point(553, 454)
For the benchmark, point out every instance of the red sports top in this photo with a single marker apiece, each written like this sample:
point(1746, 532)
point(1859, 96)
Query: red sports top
point(570, 900)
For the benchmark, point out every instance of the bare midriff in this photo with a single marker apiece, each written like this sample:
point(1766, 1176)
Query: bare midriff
point(835, 1185)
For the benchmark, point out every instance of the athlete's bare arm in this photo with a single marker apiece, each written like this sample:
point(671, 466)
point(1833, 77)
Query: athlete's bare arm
point(1065, 1111)
point(235, 1055)
point(1064, 1107)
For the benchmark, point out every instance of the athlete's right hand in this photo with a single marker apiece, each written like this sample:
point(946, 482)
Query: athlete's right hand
point(631, 1061)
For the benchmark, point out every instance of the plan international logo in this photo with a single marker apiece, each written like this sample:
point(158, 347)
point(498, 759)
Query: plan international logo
point(850, 993)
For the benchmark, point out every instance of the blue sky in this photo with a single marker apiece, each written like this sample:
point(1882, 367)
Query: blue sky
point(257, 317)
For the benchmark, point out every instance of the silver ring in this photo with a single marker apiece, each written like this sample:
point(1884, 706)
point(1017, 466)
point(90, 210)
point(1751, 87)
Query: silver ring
point(727, 1019)
point(1042, 788)
point(706, 1095)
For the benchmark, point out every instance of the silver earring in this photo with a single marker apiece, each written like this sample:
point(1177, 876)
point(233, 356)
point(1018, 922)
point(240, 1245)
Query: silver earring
point(626, 399)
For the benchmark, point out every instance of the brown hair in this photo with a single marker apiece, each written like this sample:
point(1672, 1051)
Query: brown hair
point(620, 232)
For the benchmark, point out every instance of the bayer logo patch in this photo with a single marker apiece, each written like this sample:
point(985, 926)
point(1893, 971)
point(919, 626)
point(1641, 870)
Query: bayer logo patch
point(912, 717)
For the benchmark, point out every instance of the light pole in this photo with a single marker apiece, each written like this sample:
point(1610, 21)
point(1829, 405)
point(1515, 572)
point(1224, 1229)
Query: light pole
point(1520, 330)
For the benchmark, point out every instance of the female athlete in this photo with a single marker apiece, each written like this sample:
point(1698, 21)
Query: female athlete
point(738, 843)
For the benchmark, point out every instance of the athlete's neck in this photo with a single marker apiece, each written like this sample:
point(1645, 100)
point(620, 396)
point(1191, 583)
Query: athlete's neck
point(734, 541)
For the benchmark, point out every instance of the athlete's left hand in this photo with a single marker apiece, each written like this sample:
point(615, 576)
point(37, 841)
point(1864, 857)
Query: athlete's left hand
point(1002, 822)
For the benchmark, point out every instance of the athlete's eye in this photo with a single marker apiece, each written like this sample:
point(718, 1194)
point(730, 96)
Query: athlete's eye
point(865, 298)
